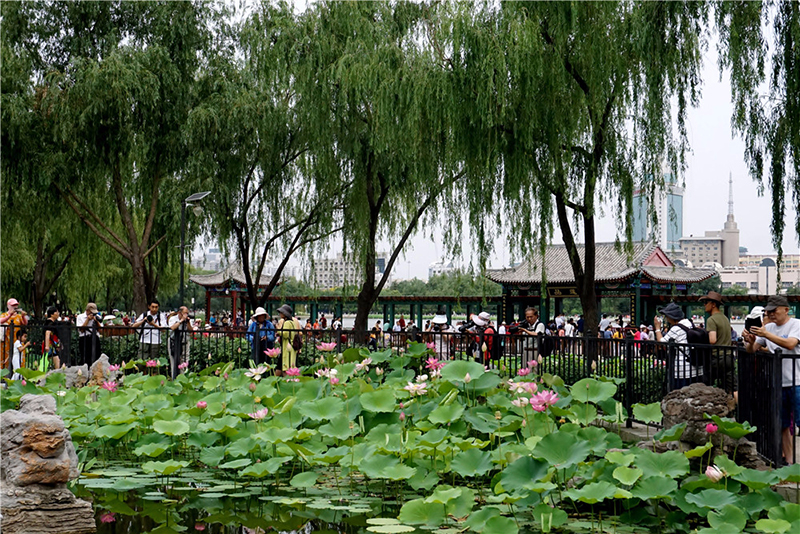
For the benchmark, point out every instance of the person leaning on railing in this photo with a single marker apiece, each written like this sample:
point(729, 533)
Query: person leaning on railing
point(782, 333)
point(718, 326)
point(684, 370)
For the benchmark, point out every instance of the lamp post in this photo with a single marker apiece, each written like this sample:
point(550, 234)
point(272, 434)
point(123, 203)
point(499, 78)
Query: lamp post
point(191, 198)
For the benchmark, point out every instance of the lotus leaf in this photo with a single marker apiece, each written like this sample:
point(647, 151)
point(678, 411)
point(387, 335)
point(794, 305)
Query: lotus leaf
point(787, 511)
point(458, 502)
point(304, 480)
point(151, 449)
point(698, 451)
point(591, 390)
point(386, 437)
point(114, 431)
point(483, 384)
point(381, 400)
point(596, 492)
point(444, 494)
point(477, 519)
point(212, 456)
point(755, 480)
point(223, 425)
point(338, 427)
point(654, 487)
point(599, 439)
point(446, 414)
point(731, 428)
point(482, 419)
point(276, 435)
point(523, 473)
point(433, 437)
point(500, 525)
point(549, 517)
point(773, 526)
point(729, 514)
point(171, 428)
point(472, 462)
point(164, 468)
point(202, 440)
point(423, 479)
point(673, 433)
point(419, 512)
point(789, 473)
point(711, 498)
point(394, 528)
point(456, 371)
point(236, 464)
point(242, 447)
point(672, 464)
point(620, 458)
point(321, 409)
point(262, 469)
point(561, 449)
point(648, 413)
point(627, 475)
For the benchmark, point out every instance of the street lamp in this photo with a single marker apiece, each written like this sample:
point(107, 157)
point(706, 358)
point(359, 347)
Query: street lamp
point(191, 198)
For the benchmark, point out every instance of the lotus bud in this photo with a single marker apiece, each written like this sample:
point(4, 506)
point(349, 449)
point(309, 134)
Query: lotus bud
point(539, 359)
point(594, 365)
point(379, 371)
point(252, 386)
point(402, 416)
point(714, 474)
point(711, 428)
point(484, 348)
point(467, 378)
point(498, 415)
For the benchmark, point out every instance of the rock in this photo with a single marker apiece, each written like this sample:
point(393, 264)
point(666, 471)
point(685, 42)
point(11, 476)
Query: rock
point(38, 459)
point(100, 371)
point(77, 376)
point(690, 405)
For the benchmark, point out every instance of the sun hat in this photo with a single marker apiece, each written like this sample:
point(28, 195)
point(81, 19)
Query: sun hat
point(756, 313)
point(482, 319)
point(259, 311)
point(91, 307)
point(672, 310)
point(286, 311)
point(12, 302)
point(776, 301)
point(440, 317)
point(712, 295)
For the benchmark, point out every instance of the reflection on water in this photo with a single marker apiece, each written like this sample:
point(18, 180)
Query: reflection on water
point(138, 503)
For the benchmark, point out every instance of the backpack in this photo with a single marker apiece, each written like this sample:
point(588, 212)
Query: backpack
point(697, 335)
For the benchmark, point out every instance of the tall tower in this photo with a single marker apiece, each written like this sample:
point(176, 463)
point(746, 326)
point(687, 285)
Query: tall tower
point(730, 232)
point(667, 203)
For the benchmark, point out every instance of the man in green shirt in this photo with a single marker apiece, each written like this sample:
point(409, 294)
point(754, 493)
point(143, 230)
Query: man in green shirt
point(723, 368)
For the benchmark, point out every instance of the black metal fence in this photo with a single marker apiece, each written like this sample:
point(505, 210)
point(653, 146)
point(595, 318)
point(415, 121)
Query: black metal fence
point(650, 369)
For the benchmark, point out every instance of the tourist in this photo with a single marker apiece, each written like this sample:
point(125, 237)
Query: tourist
point(9, 321)
point(483, 345)
point(180, 339)
point(51, 346)
point(336, 324)
point(530, 328)
point(684, 370)
point(152, 322)
point(20, 351)
point(444, 335)
point(89, 326)
point(719, 333)
point(288, 329)
point(604, 322)
point(374, 334)
point(782, 332)
point(581, 325)
point(260, 334)
point(402, 322)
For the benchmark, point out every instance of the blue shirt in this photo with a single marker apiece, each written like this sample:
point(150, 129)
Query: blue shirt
point(267, 329)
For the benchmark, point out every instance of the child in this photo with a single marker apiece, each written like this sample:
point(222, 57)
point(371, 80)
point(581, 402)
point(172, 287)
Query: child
point(20, 349)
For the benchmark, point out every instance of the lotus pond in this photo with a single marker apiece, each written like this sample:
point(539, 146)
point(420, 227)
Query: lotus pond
point(384, 442)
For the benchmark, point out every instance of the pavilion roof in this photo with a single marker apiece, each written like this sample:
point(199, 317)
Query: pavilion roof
point(612, 265)
point(231, 273)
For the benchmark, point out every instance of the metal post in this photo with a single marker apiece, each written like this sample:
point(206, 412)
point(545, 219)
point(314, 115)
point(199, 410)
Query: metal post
point(183, 243)
point(629, 382)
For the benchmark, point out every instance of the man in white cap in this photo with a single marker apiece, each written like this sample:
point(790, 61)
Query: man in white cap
point(89, 324)
point(12, 319)
point(260, 334)
point(484, 338)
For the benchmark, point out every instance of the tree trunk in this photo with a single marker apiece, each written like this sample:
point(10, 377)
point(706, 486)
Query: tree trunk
point(139, 285)
point(368, 295)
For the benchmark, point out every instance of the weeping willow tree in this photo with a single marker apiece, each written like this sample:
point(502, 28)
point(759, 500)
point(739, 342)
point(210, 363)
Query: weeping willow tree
point(566, 105)
point(765, 90)
point(375, 103)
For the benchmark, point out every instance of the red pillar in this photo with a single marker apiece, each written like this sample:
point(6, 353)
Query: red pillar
point(208, 305)
point(235, 293)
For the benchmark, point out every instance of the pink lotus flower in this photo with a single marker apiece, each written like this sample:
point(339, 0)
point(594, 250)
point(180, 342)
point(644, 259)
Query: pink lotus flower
point(326, 373)
point(520, 402)
point(431, 346)
point(537, 406)
point(272, 352)
point(364, 365)
point(417, 389)
point(202, 405)
point(107, 517)
point(113, 368)
point(334, 380)
point(24, 382)
point(533, 363)
point(183, 366)
point(260, 414)
point(434, 365)
point(256, 372)
point(525, 371)
point(152, 363)
point(199, 526)
point(711, 428)
point(548, 398)
point(714, 473)
point(530, 387)
point(327, 347)
point(293, 371)
point(110, 386)
point(402, 416)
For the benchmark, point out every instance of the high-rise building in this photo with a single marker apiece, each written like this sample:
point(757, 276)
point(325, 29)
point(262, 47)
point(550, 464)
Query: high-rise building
point(668, 208)
point(339, 271)
point(440, 267)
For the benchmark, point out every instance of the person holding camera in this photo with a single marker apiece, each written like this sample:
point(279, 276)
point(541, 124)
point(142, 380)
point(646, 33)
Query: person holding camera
point(10, 321)
point(151, 322)
point(529, 329)
point(483, 333)
point(443, 338)
point(180, 323)
point(89, 323)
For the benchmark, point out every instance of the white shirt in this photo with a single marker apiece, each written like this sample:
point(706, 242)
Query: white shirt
point(187, 327)
point(683, 368)
point(569, 330)
point(790, 328)
point(79, 322)
point(151, 335)
point(604, 324)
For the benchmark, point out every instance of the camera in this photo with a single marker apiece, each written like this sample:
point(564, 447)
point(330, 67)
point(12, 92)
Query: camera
point(466, 326)
point(513, 329)
point(150, 318)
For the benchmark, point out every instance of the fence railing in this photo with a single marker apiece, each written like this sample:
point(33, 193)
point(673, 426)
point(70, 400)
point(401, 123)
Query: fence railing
point(650, 369)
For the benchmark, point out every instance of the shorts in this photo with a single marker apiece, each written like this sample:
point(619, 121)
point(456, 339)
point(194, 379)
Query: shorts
point(790, 406)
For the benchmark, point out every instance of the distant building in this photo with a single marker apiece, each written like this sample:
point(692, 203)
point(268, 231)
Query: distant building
point(329, 273)
point(668, 206)
point(790, 261)
point(759, 280)
point(209, 259)
point(721, 246)
point(440, 267)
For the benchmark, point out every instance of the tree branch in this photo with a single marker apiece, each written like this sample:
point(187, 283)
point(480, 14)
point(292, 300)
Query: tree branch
point(124, 252)
point(151, 249)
